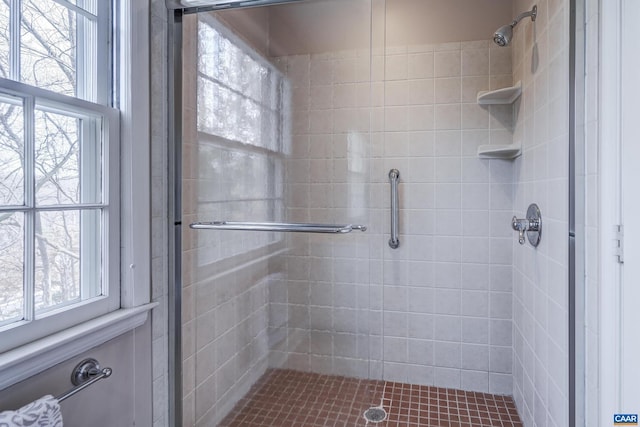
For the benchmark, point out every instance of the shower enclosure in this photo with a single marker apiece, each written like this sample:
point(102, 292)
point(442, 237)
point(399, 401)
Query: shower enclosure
point(334, 225)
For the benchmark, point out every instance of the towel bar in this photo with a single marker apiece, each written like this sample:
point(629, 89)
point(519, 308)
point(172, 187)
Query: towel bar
point(277, 226)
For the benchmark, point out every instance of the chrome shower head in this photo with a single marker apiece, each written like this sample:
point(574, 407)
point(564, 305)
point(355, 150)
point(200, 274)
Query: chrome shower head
point(503, 35)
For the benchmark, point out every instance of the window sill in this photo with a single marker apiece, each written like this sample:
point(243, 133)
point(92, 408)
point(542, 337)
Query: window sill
point(28, 360)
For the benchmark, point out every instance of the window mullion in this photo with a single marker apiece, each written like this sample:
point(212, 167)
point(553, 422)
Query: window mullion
point(30, 203)
point(15, 15)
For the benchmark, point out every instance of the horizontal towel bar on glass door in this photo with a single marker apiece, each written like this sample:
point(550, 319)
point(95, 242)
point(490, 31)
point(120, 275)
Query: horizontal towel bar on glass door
point(277, 226)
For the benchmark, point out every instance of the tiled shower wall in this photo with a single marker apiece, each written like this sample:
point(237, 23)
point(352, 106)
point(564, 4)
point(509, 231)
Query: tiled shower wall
point(441, 303)
point(540, 295)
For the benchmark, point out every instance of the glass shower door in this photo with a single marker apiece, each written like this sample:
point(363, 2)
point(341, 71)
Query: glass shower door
point(279, 107)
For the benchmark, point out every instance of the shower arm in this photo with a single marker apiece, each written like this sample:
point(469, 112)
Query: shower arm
point(533, 13)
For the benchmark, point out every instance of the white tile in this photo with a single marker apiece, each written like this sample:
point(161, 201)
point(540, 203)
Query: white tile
point(420, 326)
point(448, 170)
point(395, 324)
point(447, 328)
point(420, 374)
point(500, 305)
point(475, 276)
point(448, 249)
point(447, 143)
point(395, 372)
point(474, 381)
point(446, 301)
point(421, 92)
point(447, 116)
point(447, 275)
point(475, 117)
point(421, 118)
point(447, 90)
point(396, 119)
point(500, 384)
point(420, 66)
point(396, 67)
point(396, 92)
point(395, 298)
point(474, 196)
point(475, 62)
point(475, 331)
point(420, 300)
point(446, 354)
point(474, 303)
point(500, 359)
point(447, 377)
point(447, 63)
point(420, 352)
point(448, 222)
point(476, 250)
point(475, 357)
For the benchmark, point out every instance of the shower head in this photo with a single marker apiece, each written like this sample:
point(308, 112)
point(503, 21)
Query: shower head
point(503, 35)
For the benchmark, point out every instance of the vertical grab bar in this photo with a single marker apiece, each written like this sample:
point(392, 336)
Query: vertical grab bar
point(394, 177)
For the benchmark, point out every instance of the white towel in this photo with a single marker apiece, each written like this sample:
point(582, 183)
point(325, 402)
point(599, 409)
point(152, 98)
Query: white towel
point(44, 412)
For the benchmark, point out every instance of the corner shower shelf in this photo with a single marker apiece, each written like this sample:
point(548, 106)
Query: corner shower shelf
point(507, 95)
point(502, 151)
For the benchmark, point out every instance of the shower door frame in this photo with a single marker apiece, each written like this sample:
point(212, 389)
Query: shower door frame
point(174, 79)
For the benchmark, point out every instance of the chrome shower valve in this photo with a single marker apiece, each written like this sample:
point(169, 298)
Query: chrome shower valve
point(531, 226)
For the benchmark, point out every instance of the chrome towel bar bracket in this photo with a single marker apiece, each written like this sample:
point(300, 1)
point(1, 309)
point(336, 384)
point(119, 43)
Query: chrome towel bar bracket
point(85, 374)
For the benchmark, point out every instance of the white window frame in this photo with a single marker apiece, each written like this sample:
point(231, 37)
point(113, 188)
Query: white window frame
point(132, 97)
point(22, 332)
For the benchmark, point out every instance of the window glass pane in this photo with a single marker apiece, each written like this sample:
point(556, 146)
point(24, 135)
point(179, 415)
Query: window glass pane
point(68, 258)
point(11, 151)
point(48, 45)
point(57, 159)
point(68, 159)
point(4, 39)
point(12, 262)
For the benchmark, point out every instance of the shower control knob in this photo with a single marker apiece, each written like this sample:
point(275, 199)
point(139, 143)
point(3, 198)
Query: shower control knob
point(531, 226)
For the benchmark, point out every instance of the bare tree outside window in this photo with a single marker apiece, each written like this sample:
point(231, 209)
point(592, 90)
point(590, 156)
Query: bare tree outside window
point(45, 178)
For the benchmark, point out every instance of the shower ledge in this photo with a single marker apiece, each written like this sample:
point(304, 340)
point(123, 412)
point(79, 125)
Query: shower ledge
point(502, 151)
point(506, 95)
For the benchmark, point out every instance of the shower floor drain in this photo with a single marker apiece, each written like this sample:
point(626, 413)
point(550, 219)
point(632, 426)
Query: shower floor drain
point(375, 414)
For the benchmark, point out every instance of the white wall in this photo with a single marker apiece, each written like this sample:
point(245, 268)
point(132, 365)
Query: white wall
point(123, 399)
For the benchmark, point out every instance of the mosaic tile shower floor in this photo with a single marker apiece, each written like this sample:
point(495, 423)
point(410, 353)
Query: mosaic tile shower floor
point(285, 398)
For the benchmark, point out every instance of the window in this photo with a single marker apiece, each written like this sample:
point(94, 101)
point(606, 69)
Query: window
point(59, 209)
point(242, 141)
